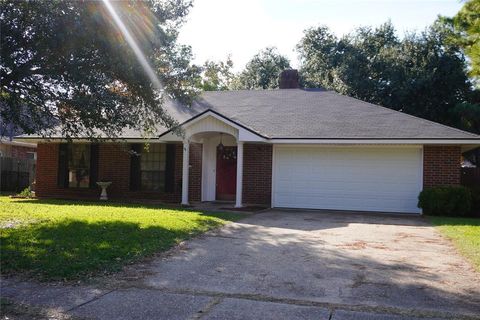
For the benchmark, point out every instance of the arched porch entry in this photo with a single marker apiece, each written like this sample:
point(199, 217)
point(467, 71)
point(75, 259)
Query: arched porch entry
point(222, 143)
point(222, 160)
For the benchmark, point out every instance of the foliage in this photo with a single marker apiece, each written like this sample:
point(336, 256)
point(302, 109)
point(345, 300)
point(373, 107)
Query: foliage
point(70, 239)
point(217, 75)
point(466, 115)
point(466, 23)
point(475, 200)
point(447, 200)
point(464, 233)
point(26, 193)
point(67, 63)
point(262, 71)
point(420, 74)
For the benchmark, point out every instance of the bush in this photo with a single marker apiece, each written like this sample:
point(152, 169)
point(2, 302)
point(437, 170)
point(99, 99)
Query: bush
point(475, 200)
point(448, 200)
point(26, 193)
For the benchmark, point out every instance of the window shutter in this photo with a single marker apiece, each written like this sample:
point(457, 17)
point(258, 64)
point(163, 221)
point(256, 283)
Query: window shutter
point(170, 168)
point(94, 151)
point(62, 176)
point(135, 174)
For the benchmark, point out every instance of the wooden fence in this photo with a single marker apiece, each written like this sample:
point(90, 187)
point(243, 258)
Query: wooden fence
point(471, 177)
point(16, 174)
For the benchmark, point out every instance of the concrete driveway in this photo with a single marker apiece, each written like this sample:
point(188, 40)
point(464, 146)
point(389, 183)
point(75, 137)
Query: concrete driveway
point(302, 265)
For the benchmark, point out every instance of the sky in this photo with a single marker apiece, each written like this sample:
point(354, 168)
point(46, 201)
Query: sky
point(241, 28)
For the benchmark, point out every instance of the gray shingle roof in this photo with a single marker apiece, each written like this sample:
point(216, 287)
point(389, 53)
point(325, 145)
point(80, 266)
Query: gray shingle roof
point(320, 114)
point(307, 114)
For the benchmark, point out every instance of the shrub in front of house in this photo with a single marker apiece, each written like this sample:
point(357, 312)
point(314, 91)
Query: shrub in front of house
point(446, 200)
point(26, 193)
point(475, 201)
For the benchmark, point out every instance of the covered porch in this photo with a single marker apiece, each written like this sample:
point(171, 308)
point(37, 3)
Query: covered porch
point(222, 160)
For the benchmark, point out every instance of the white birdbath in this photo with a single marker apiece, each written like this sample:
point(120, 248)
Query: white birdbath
point(104, 186)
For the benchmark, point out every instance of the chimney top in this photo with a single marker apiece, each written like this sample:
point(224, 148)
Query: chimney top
point(289, 79)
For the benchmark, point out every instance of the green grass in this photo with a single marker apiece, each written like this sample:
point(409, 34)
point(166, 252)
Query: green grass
point(465, 234)
point(56, 239)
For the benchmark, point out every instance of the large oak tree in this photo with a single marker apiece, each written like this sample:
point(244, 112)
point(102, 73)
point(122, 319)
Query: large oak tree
point(67, 64)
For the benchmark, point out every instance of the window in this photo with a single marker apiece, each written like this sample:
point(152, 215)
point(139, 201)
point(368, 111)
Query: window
point(32, 155)
point(152, 167)
point(79, 165)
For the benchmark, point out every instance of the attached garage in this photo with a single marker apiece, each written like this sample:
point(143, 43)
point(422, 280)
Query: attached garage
point(364, 178)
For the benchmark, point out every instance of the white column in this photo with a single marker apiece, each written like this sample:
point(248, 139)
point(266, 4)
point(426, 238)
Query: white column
point(238, 198)
point(185, 169)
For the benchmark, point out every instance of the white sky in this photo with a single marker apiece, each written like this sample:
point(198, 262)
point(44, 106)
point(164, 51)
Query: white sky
point(216, 28)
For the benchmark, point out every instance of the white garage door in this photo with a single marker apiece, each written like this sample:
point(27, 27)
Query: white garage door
point(384, 179)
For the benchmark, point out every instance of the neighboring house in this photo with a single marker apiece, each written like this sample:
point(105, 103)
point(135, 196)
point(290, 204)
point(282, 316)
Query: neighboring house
point(17, 160)
point(18, 150)
point(14, 149)
point(17, 165)
point(291, 147)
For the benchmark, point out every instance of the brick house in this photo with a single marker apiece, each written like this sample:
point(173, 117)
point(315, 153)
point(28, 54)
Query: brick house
point(290, 147)
point(18, 150)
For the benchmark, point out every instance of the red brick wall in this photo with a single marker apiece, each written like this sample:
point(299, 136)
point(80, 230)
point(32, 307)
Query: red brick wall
point(257, 174)
point(21, 152)
point(114, 165)
point(441, 165)
point(46, 176)
point(14, 151)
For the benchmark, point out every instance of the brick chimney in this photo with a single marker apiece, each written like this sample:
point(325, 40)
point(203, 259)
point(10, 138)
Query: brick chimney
point(289, 79)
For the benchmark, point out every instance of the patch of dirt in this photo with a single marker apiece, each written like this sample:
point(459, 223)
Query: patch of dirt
point(380, 246)
point(360, 244)
point(402, 235)
point(357, 245)
point(16, 311)
point(435, 241)
point(10, 224)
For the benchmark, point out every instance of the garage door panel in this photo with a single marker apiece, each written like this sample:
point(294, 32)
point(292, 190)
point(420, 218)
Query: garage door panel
point(345, 184)
point(378, 179)
point(350, 203)
point(345, 195)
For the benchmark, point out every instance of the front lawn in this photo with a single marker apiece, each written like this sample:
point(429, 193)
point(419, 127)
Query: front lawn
point(56, 239)
point(465, 234)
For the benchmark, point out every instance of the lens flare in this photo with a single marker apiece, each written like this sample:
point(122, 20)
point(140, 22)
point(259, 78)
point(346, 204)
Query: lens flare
point(142, 59)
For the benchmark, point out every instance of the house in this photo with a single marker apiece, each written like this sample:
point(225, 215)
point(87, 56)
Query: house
point(17, 149)
point(290, 147)
point(17, 160)
point(14, 149)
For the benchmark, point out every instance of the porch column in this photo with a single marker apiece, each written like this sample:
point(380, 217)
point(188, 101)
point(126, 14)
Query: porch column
point(238, 198)
point(185, 169)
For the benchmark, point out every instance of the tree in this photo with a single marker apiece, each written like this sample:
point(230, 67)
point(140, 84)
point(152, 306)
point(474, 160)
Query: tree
point(217, 75)
point(420, 74)
point(262, 71)
point(467, 25)
point(69, 64)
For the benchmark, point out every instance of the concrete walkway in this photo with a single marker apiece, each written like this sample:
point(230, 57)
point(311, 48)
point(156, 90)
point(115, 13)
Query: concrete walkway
point(285, 265)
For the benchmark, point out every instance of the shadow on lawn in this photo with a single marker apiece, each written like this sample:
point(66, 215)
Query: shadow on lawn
point(72, 249)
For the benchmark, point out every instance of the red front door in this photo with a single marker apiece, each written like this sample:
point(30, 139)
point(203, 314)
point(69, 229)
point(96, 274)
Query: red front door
point(226, 173)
